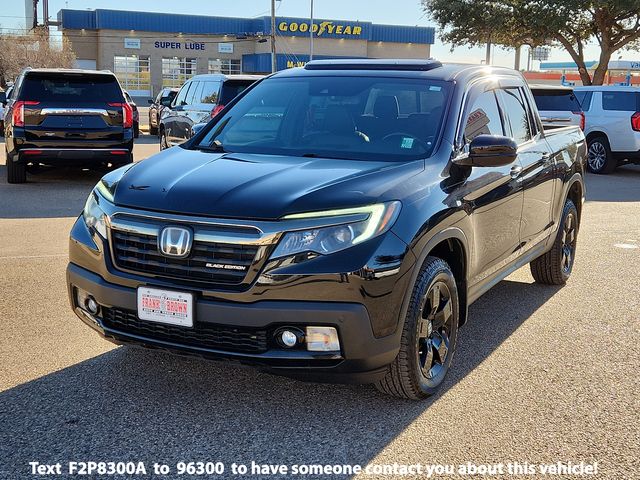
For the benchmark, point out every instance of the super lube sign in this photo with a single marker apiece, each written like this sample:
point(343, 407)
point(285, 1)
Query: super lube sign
point(179, 45)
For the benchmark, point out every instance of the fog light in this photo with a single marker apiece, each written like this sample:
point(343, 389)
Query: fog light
point(86, 301)
point(288, 338)
point(322, 339)
point(91, 305)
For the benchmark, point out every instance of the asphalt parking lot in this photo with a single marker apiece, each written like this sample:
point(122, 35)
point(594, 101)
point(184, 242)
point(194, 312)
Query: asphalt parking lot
point(541, 373)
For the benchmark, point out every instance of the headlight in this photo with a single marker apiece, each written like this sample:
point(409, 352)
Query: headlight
point(93, 215)
point(326, 240)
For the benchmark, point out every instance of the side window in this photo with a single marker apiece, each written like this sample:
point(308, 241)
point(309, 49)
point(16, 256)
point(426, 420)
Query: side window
point(182, 94)
point(515, 111)
point(197, 94)
point(584, 98)
point(190, 99)
point(210, 92)
point(619, 101)
point(483, 117)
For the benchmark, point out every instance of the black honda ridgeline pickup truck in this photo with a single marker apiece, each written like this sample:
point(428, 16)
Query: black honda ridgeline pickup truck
point(334, 222)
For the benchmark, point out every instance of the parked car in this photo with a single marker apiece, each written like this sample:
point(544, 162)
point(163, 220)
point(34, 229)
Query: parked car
point(162, 100)
point(136, 114)
point(558, 106)
point(334, 222)
point(67, 117)
point(197, 101)
point(612, 126)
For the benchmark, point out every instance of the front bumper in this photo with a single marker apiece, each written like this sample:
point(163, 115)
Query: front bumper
point(363, 357)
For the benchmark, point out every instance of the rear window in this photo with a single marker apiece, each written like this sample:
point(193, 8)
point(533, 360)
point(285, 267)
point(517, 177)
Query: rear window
point(556, 100)
point(621, 101)
point(232, 88)
point(71, 88)
point(584, 97)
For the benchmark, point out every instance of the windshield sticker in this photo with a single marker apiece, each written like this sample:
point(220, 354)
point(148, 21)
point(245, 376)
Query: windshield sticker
point(407, 142)
point(435, 88)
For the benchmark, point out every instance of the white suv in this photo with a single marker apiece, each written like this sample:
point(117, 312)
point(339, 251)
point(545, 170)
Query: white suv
point(612, 125)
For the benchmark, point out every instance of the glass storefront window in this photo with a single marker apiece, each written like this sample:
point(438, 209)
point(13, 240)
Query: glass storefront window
point(176, 71)
point(227, 66)
point(133, 73)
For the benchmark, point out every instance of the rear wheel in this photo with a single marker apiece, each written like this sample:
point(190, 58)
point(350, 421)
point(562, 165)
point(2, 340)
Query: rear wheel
point(153, 130)
point(555, 266)
point(600, 160)
point(16, 171)
point(429, 335)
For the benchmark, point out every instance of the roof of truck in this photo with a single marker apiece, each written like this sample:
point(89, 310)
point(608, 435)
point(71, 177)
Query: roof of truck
point(432, 69)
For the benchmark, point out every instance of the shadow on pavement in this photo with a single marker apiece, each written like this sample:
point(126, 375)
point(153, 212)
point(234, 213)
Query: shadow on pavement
point(138, 405)
point(623, 185)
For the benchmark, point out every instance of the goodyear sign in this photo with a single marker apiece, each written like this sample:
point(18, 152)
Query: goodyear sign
point(322, 28)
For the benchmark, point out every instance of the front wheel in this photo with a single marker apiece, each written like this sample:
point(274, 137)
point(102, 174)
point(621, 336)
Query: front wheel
point(555, 266)
point(163, 140)
point(429, 335)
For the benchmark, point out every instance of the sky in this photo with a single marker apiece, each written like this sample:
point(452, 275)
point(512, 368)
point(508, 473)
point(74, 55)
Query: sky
point(395, 12)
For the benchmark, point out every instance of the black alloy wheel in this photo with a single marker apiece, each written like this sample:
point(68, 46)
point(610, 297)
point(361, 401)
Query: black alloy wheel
point(429, 334)
point(434, 329)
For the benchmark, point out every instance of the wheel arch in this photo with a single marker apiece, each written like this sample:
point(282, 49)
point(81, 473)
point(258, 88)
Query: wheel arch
point(597, 133)
point(575, 193)
point(450, 245)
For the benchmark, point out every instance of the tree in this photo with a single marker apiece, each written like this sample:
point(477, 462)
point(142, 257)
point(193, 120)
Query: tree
point(35, 50)
point(570, 24)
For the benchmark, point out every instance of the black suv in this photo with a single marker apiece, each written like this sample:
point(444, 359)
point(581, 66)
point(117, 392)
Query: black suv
point(67, 117)
point(334, 222)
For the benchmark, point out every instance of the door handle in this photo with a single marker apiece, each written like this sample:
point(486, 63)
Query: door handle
point(515, 172)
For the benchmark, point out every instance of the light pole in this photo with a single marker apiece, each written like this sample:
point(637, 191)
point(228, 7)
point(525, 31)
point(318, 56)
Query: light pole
point(273, 36)
point(311, 34)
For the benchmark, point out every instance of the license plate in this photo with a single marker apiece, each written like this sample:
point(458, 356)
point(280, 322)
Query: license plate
point(165, 306)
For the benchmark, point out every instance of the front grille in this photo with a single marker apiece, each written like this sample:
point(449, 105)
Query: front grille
point(139, 252)
point(203, 335)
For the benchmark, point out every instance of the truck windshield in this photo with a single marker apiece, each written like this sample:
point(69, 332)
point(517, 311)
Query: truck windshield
point(359, 118)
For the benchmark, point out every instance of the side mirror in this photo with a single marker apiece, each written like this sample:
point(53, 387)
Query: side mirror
point(490, 151)
point(197, 127)
point(150, 102)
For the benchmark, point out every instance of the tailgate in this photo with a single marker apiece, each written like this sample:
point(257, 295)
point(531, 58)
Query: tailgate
point(72, 106)
point(62, 122)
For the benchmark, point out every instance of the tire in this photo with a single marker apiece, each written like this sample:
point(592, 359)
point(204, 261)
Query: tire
point(16, 172)
point(153, 130)
point(421, 366)
point(163, 140)
point(136, 130)
point(599, 157)
point(555, 266)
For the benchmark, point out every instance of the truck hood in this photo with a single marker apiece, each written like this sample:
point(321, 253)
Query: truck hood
point(265, 187)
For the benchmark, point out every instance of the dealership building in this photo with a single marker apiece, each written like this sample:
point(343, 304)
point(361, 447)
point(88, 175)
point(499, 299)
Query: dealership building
point(148, 51)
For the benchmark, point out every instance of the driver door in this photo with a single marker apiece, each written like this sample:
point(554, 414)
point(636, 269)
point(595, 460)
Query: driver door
point(492, 196)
